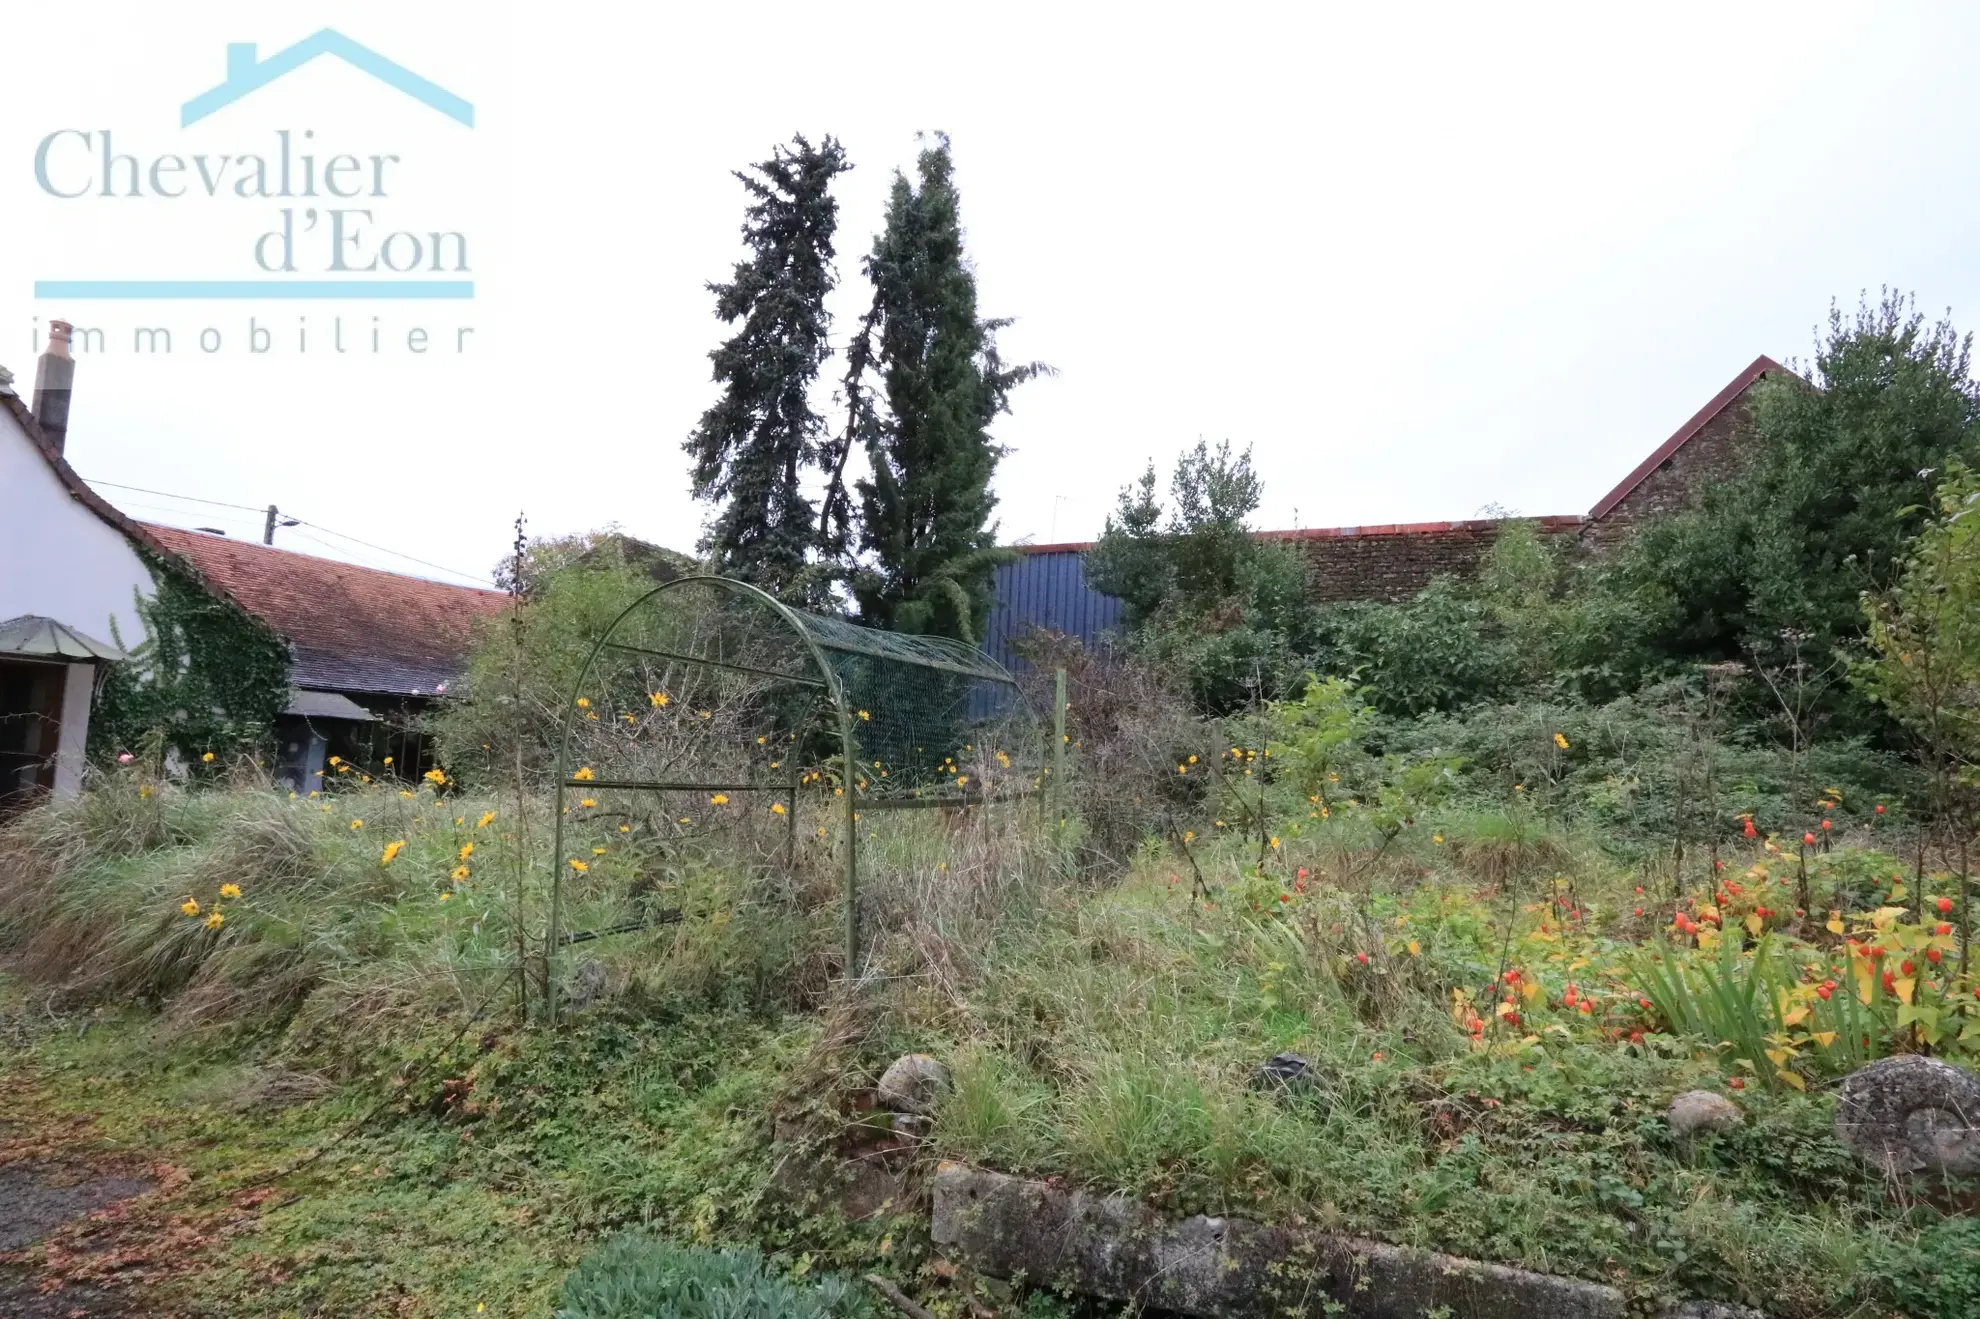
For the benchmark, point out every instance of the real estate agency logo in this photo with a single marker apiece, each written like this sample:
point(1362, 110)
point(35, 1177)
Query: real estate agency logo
point(314, 219)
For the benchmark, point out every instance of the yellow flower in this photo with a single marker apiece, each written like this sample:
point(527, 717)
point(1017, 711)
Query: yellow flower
point(392, 849)
point(357, 824)
point(1004, 759)
point(706, 714)
point(1436, 838)
point(435, 777)
point(406, 793)
point(1275, 840)
point(1560, 740)
point(447, 894)
point(776, 808)
point(720, 799)
point(589, 801)
point(190, 906)
point(583, 704)
point(864, 715)
point(962, 781)
point(144, 790)
point(584, 775)
point(625, 828)
point(1519, 787)
point(579, 866)
point(1189, 835)
point(1192, 760)
point(459, 872)
point(336, 760)
point(761, 740)
point(230, 890)
point(598, 851)
point(659, 698)
point(821, 831)
point(467, 850)
point(208, 757)
point(485, 820)
point(1182, 769)
point(215, 921)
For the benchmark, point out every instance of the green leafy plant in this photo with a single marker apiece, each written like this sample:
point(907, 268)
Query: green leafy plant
point(207, 678)
point(637, 1277)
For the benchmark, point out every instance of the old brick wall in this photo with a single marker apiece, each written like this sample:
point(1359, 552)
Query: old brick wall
point(1713, 453)
point(1394, 562)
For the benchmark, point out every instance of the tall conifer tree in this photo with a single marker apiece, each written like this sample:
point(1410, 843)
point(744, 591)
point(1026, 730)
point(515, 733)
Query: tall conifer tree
point(752, 447)
point(925, 509)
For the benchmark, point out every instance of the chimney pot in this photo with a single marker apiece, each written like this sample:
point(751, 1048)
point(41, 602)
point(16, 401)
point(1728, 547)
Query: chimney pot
point(54, 379)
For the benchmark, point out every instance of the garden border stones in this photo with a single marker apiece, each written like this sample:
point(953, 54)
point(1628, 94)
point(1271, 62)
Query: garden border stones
point(1228, 1268)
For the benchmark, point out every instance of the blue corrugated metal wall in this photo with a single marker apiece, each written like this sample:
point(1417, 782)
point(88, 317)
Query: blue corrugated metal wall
point(1047, 590)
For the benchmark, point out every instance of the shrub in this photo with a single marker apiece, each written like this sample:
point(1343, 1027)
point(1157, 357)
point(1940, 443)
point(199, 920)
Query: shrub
point(1938, 1276)
point(637, 1277)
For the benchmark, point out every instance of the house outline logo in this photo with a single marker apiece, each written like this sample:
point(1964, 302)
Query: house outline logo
point(247, 74)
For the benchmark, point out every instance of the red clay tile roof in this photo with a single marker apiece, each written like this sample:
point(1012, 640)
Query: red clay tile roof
point(1762, 365)
point(352, 629)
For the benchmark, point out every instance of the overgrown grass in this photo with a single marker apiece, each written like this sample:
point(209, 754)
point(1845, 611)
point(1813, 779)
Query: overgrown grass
point(1108, 1033)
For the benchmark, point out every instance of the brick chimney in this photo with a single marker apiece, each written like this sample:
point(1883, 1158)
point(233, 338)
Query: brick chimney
point(54, 376)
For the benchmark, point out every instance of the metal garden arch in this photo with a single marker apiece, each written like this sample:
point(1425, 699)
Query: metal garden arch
point(812, 700)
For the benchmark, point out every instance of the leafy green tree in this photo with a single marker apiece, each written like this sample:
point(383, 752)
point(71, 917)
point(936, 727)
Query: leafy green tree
point(1195, 558)
point(1204, 595)
point(925, 510)
point(1132, 562)
point(753, 447)
point(1838, 485)
point(1924, 652)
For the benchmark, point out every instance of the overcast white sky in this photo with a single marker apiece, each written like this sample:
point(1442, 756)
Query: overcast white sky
point(1423, 259)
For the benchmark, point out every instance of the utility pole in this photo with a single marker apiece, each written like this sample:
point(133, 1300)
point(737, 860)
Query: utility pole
point(274, 520)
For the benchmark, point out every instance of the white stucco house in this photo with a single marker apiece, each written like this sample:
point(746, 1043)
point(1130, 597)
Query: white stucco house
point(70, 576)
point(367, 649)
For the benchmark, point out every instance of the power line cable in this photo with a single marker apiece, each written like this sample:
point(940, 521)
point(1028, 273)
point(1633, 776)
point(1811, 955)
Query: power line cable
point(166, 494)
point(219, 503)
point(441, 567)
point(344, 554)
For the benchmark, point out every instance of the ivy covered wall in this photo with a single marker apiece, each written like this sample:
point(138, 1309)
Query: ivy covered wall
point(208, 676)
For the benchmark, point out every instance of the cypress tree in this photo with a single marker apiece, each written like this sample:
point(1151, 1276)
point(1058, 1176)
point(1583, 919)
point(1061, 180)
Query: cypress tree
point(925, 509)
point(752, 447)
